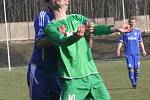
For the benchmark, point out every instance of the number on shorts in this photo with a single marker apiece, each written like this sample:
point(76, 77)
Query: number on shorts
point(71, 97)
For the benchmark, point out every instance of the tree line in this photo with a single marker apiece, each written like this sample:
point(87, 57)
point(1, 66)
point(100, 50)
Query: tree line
point(26, 10)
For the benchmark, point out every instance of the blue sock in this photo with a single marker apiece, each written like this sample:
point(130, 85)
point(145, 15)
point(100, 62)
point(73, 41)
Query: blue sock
point(131, 76)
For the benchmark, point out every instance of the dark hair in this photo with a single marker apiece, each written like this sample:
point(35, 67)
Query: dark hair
point(131, 18)
point(47, 0)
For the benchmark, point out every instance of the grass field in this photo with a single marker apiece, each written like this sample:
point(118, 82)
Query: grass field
point(13, 84)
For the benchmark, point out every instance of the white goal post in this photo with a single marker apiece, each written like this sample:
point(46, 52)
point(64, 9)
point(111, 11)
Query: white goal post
point(6, 30)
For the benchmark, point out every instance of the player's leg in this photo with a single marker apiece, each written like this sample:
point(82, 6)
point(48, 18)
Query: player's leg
point(42, 85)
point(28, 74)
point(49, 85)
point(98, 90)
point(89, 97)
point(32, 82)
point(137, 68)
point(75, 89)
point(136, 75)
point(131, 76)
point(130, 64)
point(28, 79)
point(54, 86)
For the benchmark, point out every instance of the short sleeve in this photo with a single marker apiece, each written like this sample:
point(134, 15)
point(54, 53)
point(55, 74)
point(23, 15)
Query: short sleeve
point(140, 37)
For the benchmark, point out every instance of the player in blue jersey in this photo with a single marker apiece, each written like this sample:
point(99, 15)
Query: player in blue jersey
point(41, 76)
point(132, 42)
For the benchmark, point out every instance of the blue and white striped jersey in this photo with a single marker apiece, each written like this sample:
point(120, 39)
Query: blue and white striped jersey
point(131, 41)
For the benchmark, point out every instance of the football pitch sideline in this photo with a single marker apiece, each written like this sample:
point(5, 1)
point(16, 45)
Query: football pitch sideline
point(114, 73)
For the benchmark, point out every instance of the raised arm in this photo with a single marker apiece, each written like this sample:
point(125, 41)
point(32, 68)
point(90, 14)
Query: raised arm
point(97, 29)
point(59, 39)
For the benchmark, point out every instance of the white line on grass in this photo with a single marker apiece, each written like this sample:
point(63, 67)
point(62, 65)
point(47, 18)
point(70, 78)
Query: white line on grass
point(2, 69)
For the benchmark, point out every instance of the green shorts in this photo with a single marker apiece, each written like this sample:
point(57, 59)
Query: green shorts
point(87, 88)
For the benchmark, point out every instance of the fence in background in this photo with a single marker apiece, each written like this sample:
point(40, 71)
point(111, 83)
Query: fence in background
point(25, 30)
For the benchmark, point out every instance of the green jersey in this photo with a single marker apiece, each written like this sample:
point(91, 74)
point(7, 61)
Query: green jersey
point(75, 59)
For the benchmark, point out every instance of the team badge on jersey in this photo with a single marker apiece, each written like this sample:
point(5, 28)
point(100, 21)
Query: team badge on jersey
point(135, 33)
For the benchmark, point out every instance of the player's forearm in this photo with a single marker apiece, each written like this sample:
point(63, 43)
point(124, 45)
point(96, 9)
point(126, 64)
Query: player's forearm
point(67, 41)
point(106, 29)
point(43, 42)
point(63, 41)
point(102, 30)
point(91, 42)
point(142, 46)
point(119, 46)
point(89, 38)
point(59, 39)
point(114, 29)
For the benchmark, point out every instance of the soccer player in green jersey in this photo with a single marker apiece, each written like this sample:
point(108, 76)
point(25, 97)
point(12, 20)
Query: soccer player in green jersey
point(76, 67)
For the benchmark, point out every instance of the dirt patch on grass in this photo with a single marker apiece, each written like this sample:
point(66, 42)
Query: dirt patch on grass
point(19, 53)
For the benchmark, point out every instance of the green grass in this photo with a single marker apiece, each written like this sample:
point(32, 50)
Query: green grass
point(13, 84)
point(115, 76)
